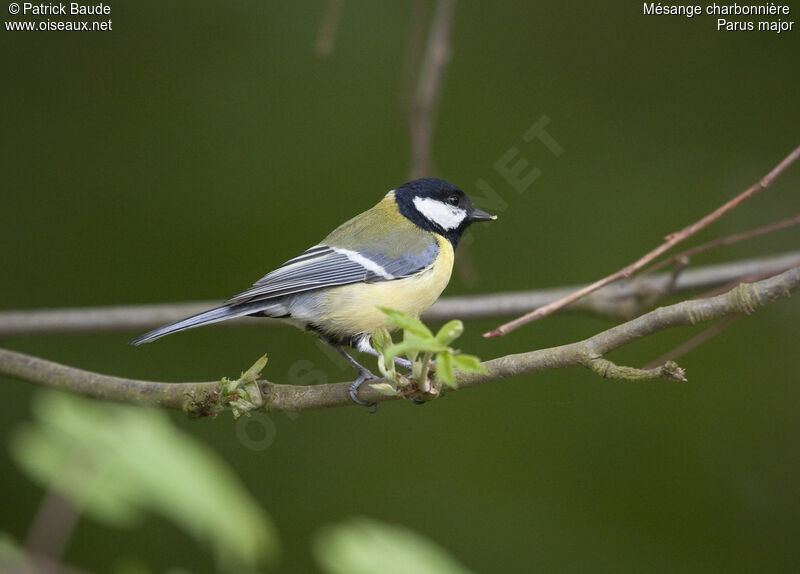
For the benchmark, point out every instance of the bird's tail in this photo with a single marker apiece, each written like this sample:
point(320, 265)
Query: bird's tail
point(205, 318)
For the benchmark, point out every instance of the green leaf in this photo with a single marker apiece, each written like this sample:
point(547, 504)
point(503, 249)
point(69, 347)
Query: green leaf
point(364, 546)
point(384, 389)
point(115, 463)
point(444, 368)
point(381, 340)
point(407, 323)
point(251, 374)
point(402, 348)
point(450, 331)
point(468, 364)
point(413, 344)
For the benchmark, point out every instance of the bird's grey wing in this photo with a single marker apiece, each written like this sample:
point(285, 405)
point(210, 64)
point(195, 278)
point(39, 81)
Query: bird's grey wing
point(325, 266)
point(404, 265)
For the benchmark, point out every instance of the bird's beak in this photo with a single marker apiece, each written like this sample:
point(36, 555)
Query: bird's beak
point(478, 215)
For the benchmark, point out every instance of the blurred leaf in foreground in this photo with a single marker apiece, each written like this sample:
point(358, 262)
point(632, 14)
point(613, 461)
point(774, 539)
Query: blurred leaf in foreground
point(361, 545)
point(116, 462)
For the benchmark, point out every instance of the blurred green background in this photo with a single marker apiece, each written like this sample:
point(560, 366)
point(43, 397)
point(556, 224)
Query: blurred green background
point(198, 144)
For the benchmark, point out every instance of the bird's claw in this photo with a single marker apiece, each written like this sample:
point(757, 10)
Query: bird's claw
point(353, 392)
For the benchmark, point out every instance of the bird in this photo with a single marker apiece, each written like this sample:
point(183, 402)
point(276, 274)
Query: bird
point(398, 254)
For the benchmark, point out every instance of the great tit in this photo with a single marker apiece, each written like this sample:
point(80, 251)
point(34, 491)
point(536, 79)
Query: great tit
point(398, 254)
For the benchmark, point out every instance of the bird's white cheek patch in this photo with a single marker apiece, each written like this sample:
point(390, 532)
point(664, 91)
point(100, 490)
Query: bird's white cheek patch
point(445, 216)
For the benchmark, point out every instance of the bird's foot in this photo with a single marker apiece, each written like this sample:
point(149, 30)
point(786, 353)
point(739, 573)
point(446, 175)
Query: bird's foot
point(352, 390)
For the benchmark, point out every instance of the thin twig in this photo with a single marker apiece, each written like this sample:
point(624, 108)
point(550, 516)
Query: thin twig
point(729, 240)
point(326, 36)
point(52, 527)
point(429, 87)
point(670, 241)
point(204, 397)
point(694, 342)
point(755, 276)
point(716, 329)
point(621, 300)
point(415, 44)
point(56, 518)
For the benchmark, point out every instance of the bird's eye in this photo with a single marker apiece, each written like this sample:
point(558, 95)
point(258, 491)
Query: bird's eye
point(453, 199)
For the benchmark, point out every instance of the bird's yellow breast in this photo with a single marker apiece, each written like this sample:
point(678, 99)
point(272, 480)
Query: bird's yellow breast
point(352, 309)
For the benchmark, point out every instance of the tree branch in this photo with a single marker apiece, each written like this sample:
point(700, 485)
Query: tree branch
point(727, 240)
point(622, 300)
point(326, 35)
point(695, 341)
point(103, 387)
point(429, 87)
point(204, 398)
point(670, 241)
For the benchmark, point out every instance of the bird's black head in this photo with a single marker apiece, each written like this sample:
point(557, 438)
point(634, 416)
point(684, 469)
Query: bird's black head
point(438, 206)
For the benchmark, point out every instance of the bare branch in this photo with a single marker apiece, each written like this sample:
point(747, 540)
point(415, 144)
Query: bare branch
point(429, 87)
point(621, 300)
point(54, 521)
point(97, 386)
point(326, 35)
point(606, 369)
point(670, 241)
point(728, 240)
point(101, 319)
point(415, 44)
point(200, 398)
point(694, 342)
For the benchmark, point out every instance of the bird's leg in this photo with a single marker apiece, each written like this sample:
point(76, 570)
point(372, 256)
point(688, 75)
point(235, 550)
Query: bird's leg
point(364, 374)
point(401, 362)
point(365, 347)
